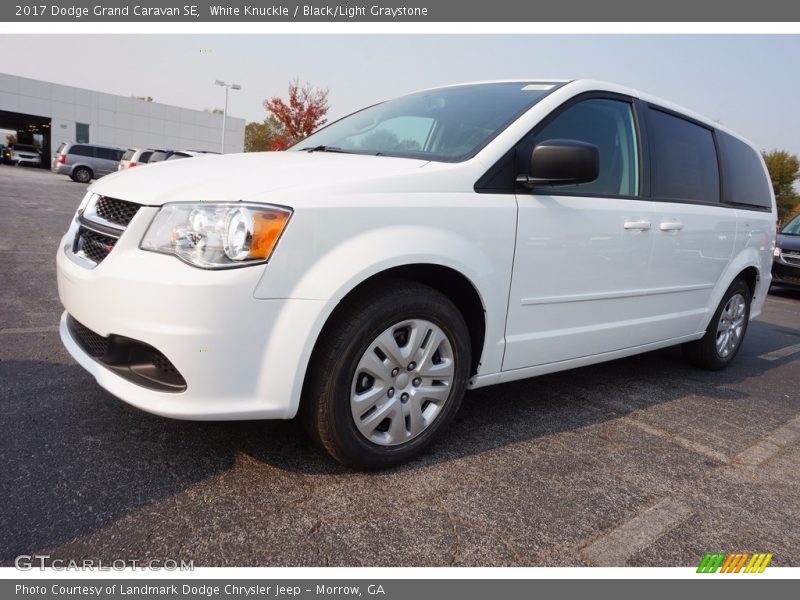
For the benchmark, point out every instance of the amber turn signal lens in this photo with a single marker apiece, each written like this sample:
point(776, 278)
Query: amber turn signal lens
point(267, 228)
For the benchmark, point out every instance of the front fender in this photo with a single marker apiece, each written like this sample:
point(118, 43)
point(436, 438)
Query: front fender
point(305, 272)
point(354, 260)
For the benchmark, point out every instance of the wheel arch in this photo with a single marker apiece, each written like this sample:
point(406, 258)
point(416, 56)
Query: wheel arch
point(751, 276)
point(746, 265)
point(458, 288)
point(86, 166)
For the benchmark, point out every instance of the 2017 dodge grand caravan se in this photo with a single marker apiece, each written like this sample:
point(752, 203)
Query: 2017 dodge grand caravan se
point(450, 239)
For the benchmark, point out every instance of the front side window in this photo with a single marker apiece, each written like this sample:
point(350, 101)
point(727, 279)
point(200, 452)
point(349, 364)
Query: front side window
point(446, 124)
point(607, 124)
point(683, 159)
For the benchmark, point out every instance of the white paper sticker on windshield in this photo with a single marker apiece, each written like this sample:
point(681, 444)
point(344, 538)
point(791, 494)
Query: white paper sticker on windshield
point(538, 87)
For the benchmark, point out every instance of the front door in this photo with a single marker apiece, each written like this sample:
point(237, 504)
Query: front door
point(582, 252)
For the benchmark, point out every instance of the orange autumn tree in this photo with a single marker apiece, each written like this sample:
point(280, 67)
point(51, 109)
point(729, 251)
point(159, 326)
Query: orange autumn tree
point(300, 116)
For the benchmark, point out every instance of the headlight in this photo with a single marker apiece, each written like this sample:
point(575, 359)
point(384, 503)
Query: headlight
point(217, 235)
point(776, 252)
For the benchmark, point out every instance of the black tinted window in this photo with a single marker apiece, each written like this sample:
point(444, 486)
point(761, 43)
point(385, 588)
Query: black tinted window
point(744, 177)
point(81, 151)
point(144, 157)
point(607, 124)
point(109, 153)
point(683, 159)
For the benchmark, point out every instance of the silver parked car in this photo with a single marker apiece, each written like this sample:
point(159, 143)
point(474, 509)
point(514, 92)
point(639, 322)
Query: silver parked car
point(84, 162)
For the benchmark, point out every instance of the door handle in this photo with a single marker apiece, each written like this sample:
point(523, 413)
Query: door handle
point(671, 226)
point(637, 225)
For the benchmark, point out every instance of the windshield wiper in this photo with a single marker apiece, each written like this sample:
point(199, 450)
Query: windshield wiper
point(311, 149)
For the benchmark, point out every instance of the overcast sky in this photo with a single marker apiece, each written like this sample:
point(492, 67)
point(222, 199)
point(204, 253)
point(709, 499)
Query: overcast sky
point(749, 83)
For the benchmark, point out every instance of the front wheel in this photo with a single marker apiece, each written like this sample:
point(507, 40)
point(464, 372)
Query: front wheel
point(725, 333)
point(388, 375)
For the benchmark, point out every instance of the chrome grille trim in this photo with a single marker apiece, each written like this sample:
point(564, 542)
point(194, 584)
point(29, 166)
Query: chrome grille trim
point(99, 227)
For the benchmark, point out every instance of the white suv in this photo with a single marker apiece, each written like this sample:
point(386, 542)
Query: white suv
point(450, 239)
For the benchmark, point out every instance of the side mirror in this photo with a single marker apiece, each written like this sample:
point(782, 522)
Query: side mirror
point(562, 162)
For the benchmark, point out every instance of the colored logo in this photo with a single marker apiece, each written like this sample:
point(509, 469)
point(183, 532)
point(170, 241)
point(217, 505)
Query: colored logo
point(736, 562)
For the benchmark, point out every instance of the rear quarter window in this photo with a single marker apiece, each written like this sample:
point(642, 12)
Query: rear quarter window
point(744, 179)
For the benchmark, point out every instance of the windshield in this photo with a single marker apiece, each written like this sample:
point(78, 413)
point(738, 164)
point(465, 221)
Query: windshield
point(792, 227)
point(25, 148)
point(447, 124)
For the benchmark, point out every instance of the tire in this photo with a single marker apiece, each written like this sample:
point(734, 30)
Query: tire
point(371, 409)
point(82, 175)
point(714, 351)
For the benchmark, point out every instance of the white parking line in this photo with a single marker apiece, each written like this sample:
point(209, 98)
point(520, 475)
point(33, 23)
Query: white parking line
point(615, 547)
point(781, 353)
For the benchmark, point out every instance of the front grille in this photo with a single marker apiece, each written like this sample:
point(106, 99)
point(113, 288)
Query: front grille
point(95, 246)
point(791, 256)
point(93, 343)
point(131, 359)
point(116, 211)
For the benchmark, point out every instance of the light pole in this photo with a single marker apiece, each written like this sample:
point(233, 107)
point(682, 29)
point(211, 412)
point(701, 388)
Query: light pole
point(227, 86)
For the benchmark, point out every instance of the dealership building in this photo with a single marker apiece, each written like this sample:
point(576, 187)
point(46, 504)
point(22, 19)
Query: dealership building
point(47, 114)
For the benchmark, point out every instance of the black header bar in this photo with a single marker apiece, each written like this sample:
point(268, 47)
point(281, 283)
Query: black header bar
point(432, 11)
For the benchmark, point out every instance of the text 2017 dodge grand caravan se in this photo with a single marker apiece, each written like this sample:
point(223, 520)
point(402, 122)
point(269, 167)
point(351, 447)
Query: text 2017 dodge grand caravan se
point(450, 239)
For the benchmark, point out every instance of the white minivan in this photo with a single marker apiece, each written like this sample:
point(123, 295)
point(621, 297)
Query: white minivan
point(450, 239)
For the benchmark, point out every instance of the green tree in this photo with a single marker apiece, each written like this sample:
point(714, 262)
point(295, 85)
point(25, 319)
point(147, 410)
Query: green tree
point(784, 171)
point(261, 136)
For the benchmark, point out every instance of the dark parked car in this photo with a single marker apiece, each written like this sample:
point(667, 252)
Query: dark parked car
point(786, 258)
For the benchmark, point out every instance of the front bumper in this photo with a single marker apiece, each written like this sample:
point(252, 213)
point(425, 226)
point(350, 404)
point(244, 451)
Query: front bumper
point(785, 274)
point(241, 357)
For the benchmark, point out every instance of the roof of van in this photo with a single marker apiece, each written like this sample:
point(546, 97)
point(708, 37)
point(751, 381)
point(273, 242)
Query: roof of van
point(94, 145)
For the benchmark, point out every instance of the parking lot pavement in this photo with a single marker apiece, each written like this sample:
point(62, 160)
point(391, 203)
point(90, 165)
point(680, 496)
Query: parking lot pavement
point(641, 461)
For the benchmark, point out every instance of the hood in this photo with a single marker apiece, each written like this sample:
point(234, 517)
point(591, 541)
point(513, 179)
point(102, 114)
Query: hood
point(788, 242)
point(234, 177)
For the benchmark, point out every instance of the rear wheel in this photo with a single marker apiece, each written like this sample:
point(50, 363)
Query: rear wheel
point(388, 376)
point(726, 331)
point(82, 175)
